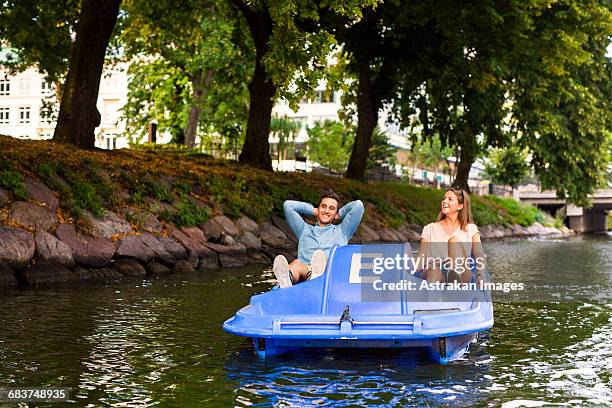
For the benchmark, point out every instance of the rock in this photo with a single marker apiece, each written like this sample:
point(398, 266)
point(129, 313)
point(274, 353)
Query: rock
point(146, 221)
point(52, 250)
point(401, 236)
point(97, 273)
point(236, 249)
point(17, 247)
point(271, 253)
point(106, 226)
point(39, 192)
point(129, 267)
point(4, 197)
point(274, 237)
point(175, 249)
point(192, 239)
point(485, 232)
point(31, 215)
point(157, 269)
point(415, 227)
point(230, 261)
point(87, 251)
point(250, 240)
point(227, 225)
point(133, 247)
point(208, 260)
point(367, 234)
point(83, 273)
point(98, 252)
point(409, 233)
point(194, 260)
point(7, 276)
point(182, 266)
point(272, 230)
point(247, 225)
point(212, 230)
point(227, 240)
point(257, 257)
point(48, 272)
point(388, 235)
point(158, 248)
point(282, 225)
point(498, 231)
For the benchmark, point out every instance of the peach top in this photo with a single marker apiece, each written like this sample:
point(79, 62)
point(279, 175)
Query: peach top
point(434, 233)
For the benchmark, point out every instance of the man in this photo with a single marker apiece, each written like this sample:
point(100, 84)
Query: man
point(315, 241)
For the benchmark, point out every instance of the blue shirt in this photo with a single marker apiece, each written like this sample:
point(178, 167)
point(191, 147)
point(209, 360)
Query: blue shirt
point(313, 237)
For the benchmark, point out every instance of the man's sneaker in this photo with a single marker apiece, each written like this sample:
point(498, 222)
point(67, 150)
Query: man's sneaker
point(317, 264)
point(281, 271)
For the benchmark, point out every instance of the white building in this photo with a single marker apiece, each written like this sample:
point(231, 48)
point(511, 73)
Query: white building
point(29, 105)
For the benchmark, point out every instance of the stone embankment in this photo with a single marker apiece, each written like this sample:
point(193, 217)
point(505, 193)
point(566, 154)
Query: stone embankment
point(37, 246)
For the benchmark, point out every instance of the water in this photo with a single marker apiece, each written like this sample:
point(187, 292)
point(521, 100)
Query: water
point(160, 342)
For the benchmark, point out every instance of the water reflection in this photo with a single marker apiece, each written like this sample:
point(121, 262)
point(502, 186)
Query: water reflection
point(160, 342)
point(357, 378)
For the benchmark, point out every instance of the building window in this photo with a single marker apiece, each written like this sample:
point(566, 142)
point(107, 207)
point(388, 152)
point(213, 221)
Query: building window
point(326, 96)
point(24, 115)
point(24, 86)
point(46, 87)
point(4, 116)
point(110, 141)
point(5, 87)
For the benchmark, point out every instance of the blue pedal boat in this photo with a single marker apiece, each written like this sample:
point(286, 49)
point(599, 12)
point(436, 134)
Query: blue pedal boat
point(342, 310)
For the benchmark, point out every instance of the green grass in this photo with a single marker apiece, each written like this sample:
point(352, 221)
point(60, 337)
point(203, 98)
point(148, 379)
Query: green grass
point(13, 182)
point(173, 175)
point(187, 213)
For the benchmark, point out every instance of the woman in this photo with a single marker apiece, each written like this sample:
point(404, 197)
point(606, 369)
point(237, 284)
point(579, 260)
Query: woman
point(447, 244)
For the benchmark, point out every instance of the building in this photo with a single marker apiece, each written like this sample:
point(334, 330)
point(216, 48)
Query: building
point(29, 106)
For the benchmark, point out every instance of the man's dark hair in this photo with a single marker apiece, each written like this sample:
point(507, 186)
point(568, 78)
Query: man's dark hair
point(330, 194)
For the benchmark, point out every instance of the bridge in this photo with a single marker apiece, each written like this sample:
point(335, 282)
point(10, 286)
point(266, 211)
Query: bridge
point(593, 219)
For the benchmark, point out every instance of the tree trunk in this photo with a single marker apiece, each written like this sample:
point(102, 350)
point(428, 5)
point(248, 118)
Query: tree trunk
point(78, 116)
point(256, 148)
point(466, 159)
point(367, 119)
point(200, 90)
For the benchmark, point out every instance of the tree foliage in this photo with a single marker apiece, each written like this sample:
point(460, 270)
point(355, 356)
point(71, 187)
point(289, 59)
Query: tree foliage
point(508, 166)
point(39, 33)
point(329, 144)
point(285, 131)
point(190, 67)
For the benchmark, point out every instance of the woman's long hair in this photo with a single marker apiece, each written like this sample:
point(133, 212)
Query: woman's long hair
point(465, 214)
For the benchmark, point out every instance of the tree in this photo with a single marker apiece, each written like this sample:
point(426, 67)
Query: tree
point(329, 144)
point(507, 166)
point(78, 116)
point(286, 131)
point(430, 153)
point(291, 50)
point(198, 52)
point(562, 103)
point(381, 153)
point(45, 42)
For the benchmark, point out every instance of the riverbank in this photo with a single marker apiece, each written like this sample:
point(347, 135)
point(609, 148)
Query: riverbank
point(69, 214)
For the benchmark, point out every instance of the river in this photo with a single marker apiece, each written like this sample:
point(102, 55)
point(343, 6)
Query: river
point(160, 342)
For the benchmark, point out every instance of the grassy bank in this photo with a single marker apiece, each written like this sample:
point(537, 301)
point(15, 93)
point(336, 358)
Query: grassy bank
point(197, 187)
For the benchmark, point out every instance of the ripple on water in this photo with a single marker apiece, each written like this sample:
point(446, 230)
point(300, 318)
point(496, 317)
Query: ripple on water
point(160, 342)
